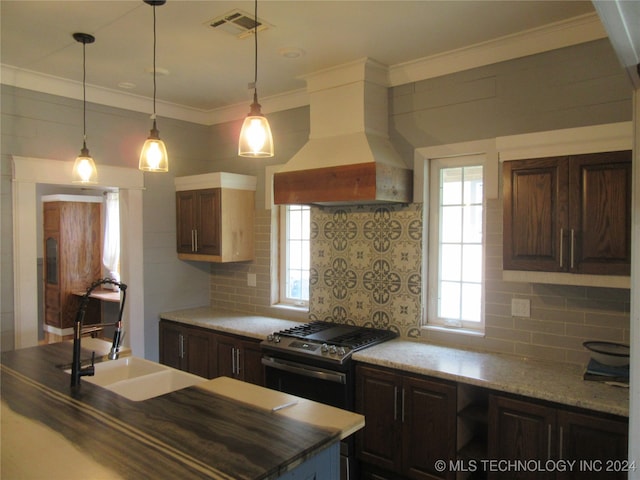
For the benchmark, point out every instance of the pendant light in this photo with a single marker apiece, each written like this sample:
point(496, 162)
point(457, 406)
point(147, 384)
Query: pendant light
point(255, 136)
point(84, 168)
point(153, 157)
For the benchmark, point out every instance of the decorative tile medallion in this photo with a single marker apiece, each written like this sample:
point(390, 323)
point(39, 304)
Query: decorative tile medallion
point(367, 266)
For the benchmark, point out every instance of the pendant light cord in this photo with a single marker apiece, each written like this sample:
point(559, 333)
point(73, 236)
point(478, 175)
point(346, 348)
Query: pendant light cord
point(154, 63)
point(84, 94)
point(255, 39)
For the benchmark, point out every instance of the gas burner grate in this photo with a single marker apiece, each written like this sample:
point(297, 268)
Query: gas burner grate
point(307, 329)
point(363, 337)
point(350, 336)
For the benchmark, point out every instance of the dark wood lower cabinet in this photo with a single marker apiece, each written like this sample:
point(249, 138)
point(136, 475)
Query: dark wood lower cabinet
point(599, 445)
point(210, 354)
point(239, 358)
point(414, 421)
point(520, 430)
point(410, 424)
point(187, 348)
point(566, 443)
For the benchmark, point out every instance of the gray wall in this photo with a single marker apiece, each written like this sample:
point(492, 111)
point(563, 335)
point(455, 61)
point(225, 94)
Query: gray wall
point(576, 86)
point(571, 87)
point(46, 126)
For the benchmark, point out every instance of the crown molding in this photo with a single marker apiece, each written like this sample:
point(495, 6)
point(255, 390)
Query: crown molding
point(566, 33)
point(569, 32)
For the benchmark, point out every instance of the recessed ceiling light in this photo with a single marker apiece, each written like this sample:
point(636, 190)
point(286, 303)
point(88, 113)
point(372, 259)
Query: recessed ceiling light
point(127, 85)
point(291, 52)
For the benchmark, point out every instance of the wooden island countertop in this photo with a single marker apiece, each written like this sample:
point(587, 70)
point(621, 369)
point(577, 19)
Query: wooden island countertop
point(220, 429)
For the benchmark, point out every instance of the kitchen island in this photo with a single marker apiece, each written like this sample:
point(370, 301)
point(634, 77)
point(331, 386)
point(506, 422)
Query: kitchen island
point(217, 430)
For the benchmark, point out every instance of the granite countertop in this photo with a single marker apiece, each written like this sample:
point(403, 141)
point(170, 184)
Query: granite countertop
point(212, 430)
point(253, 326)
point(556, 382)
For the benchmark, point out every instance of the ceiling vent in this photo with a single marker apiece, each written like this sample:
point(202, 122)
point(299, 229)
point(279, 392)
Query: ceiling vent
point(237, 23)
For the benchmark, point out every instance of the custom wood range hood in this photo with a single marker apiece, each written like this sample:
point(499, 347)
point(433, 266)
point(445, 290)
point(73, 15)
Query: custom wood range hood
point(348, 158)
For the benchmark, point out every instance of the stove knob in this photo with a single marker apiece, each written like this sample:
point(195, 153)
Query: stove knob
point(277, 339)
point(341, 351)
point(324, 348)
point(270, 338)
point(333, 350)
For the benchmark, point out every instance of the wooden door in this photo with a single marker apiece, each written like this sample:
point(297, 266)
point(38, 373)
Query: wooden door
point(520, 430)
point(185, 220)
point(226, 356)
point(171, 344)
point(197, 352)
point(378, 397)
point(600, 213)
point(429, 427)
point(535, 214)
point(252, 370)
point(208, 220)
point(600, 442)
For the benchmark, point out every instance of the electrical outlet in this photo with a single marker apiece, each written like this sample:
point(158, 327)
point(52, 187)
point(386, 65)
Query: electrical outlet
point(251, 279)
point(520, 307)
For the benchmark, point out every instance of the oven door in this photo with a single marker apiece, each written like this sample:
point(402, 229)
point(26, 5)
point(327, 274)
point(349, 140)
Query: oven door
point(319, 384)
point(308, 381)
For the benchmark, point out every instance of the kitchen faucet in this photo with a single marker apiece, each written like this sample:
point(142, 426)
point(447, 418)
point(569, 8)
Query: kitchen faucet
point(77, 370)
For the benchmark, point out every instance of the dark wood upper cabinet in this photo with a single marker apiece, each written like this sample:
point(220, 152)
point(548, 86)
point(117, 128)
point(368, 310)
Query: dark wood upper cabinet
point(568, 214)
point(600, 205)
point(198, 225)
point(215, 217)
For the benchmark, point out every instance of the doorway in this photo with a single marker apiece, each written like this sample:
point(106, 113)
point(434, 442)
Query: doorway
point(28, 173)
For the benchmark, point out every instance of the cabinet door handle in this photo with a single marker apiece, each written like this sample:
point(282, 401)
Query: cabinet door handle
point(181, 346)
point(196, 242)
point(561, 246)
point(238, 361)
point(549, 442)
point(573, 241)
point(560, 444)
point(395, 403)
point(233, 360)
point(402, 406)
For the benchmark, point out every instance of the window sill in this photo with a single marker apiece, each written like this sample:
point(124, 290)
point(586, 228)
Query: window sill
point(453, 330)
point(291, 308)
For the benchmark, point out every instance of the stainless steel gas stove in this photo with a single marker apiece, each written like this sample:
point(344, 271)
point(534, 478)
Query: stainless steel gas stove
point(313, 360)
point(325, 341)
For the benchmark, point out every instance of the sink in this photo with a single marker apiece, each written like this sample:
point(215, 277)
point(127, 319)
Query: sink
point(138, 379)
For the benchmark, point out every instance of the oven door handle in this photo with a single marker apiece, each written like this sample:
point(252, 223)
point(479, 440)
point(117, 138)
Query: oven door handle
point(305, 370)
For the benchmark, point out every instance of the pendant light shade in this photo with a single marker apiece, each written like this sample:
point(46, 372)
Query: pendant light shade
point(255, 136)
point(84, 168)
point(153, 157)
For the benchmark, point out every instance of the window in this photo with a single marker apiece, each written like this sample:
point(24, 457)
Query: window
point(456, 244)
point(295, 255)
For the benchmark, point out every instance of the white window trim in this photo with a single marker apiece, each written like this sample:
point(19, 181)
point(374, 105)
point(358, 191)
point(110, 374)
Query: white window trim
point(421, 191)
point(276, 245)
point(282, 265)
point(432, 320)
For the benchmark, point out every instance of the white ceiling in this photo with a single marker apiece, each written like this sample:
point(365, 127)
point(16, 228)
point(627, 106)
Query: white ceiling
point(210, 69)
